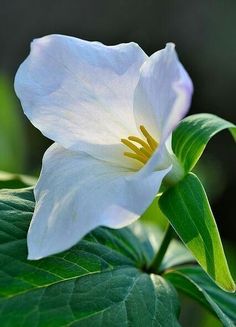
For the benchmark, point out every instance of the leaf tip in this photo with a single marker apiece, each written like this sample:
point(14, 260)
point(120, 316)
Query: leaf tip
point(229, 286)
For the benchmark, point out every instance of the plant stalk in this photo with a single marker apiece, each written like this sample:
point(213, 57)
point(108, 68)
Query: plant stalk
point(155, 265)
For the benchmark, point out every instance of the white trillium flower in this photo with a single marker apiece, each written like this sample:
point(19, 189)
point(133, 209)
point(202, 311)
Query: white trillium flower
point(110, 111)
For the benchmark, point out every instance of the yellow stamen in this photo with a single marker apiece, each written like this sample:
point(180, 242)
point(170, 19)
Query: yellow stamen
point(147, 154)
point(131, 146)
point(141, 142)
point(135, 156)
point(152, 143)
point(143, 153)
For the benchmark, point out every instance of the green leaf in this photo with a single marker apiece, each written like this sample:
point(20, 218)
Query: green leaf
point(192, 135)
point(12, 136)
point(99, 282)
point(187, 208)
point(194, 282)
point(9, 180)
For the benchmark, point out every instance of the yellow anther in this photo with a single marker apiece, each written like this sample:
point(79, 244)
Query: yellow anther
point(151, 141)
point(136, 156)
point(145, 152)
point(131, 146)
point(141, 142)
point(146, 148)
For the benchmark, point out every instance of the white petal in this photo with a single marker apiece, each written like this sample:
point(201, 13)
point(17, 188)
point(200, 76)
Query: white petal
point(80, 93)
point(163, 93)
point(77, 193)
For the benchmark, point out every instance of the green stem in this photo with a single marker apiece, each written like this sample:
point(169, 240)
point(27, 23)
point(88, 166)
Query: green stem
point(155, 265)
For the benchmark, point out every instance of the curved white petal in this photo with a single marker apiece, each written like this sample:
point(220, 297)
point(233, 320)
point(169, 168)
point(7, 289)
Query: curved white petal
point(80, 93)
point(77, 193)
point(163, 94)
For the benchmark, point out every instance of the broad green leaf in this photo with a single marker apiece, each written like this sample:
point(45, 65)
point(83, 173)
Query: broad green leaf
point(187, 208)
point(99, 282)
point(194, 282)
point(192, 135)
point(9, 180)
point(12, 136)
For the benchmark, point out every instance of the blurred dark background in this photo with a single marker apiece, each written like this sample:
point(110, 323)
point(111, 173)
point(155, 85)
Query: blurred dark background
point(204, 32)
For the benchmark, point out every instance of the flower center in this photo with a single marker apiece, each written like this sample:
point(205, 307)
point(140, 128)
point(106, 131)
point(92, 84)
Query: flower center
point(142, 150)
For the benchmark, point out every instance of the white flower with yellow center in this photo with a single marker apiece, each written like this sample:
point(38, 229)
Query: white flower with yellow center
point(110, 111)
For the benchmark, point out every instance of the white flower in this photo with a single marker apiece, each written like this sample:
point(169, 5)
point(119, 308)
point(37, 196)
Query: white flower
point(110, 110)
